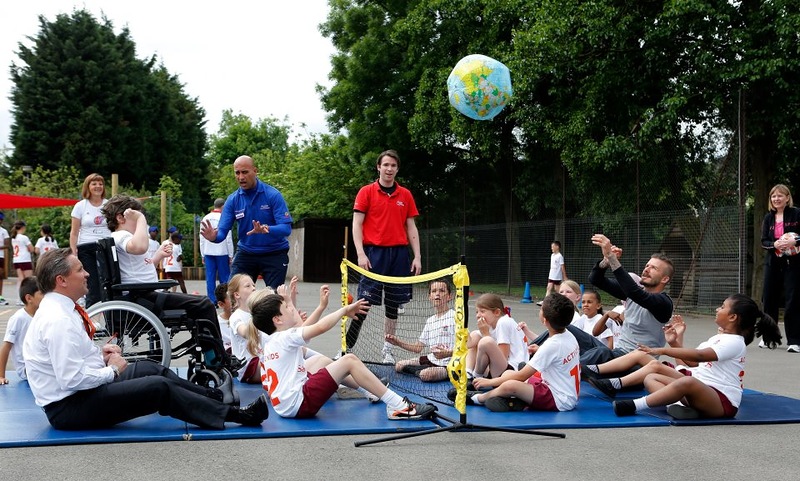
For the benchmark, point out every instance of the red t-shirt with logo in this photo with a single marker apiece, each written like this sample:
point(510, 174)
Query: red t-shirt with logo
point(385, 215)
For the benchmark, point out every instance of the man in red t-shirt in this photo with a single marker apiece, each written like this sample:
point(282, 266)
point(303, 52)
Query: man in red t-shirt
point(383, 229)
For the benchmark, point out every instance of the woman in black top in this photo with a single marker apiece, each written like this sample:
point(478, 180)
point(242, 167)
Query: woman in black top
point(780, 235)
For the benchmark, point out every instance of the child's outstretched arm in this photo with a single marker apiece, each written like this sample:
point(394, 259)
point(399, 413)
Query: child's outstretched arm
point(324, 294)
point(360, 306)
point(408, 346)
point(682, 354)
point(525, 330)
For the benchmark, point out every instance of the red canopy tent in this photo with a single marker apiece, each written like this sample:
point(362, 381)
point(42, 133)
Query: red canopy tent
point(10, 201)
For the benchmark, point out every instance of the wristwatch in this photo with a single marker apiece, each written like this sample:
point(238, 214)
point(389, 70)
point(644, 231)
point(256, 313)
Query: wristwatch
point(116, 370)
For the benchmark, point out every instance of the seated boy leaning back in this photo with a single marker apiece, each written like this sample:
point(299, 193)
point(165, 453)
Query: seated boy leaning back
point(298, 387)
point(550, 381)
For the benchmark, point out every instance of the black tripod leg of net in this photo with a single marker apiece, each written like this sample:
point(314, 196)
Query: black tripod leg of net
point(458, 426)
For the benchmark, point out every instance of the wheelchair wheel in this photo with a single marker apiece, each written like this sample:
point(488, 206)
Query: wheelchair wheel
point(205, 378)
point(139, 333)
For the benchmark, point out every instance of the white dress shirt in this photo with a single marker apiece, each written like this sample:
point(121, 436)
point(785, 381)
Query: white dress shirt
point(60, 359)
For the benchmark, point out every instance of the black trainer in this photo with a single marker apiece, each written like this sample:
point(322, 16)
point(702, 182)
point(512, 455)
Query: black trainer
point(625, 407)
point(679, 411)
point(504, 404)
point(252, 415)
point(587, 374)
point(451, 395)
point(604, 386)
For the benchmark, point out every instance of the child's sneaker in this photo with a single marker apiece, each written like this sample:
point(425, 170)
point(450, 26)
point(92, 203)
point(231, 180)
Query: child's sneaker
point(626, 407)
point(411, 411)
point(388, 357)
point(679, 411)
point(604, 386)
point(3, 301)
point(500, 404)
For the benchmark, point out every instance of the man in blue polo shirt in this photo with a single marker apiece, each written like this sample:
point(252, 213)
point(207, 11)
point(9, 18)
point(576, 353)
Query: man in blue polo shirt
point(263, 223)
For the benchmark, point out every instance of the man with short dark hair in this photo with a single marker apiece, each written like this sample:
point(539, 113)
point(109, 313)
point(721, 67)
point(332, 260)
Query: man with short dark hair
point(263, 223)
point(82, 386)
point(649, 307)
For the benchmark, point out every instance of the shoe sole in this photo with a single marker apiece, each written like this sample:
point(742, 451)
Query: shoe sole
point(425, 414)
point(504, 405)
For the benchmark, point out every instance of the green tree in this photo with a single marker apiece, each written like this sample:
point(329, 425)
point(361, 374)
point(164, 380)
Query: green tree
point(82, 98)
point(265, 140)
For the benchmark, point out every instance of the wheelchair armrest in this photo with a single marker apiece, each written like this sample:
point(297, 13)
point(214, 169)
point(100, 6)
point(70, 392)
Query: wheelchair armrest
point(147, 286)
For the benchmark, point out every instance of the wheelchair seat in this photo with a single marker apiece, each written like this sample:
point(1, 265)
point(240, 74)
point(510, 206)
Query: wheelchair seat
point(131, 316)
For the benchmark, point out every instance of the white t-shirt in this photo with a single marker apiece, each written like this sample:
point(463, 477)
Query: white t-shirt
point(45, 245)
point(225, 332)
point(587, 325)
point(238, 343)
point(15, 334)
point(439, 330)
point(3, 236)
point(557, 363)
point(556, 261)
point(19, 245)
point(727, 372)
point(132, 267)
point(611, 325)
point(93, 222)
point(171, 263)
point(284, 371)
point(508, 332)
point(208, 248)
point(152, 248)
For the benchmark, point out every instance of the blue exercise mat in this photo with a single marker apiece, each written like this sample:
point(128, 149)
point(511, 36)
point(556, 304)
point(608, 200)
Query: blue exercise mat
point(22, 423)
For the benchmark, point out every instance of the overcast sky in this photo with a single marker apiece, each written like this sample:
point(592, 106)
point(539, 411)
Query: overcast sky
point(259, 58)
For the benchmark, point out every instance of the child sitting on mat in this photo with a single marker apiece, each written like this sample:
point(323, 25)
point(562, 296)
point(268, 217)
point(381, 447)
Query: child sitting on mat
point(712, 386)
point(498, 344)
point(31, 296)
point(224, 304)
point(439, 335)
point(550, 381)
point(299, 387)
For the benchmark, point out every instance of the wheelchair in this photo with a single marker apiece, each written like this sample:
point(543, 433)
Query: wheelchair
point(144, 330)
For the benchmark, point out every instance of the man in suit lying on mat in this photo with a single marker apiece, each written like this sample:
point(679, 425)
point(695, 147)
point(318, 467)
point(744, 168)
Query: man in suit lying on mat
point(83, 386)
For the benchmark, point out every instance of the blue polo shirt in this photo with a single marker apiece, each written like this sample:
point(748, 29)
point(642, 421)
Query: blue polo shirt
point(265, 204)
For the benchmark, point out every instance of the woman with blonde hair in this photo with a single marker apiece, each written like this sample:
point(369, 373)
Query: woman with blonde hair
point(780, 236)
point(89, 226)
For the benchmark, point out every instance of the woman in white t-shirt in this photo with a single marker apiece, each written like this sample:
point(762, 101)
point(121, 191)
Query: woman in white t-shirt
point(89, 226)
point(88, 223)
point(22, 249)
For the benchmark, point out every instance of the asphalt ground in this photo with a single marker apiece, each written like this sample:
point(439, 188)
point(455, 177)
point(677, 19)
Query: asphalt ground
point(763, 452)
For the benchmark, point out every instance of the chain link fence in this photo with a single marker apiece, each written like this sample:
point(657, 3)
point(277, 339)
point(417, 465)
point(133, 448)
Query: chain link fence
point(704, 248)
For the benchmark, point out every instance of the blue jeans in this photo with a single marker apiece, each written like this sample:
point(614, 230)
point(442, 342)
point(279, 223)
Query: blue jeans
point(271, 266)
point(217, 268)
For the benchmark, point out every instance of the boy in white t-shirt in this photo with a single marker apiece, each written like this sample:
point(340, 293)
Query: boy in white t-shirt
point(298, 387)
point(17, 327)
point(550, 381)
point(438, 335)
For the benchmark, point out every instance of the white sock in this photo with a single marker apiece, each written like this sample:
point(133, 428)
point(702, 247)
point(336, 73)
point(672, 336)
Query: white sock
point(475, 399)
point(471, 373)
point(387, 346)
point(393, 400)
point(640, 403)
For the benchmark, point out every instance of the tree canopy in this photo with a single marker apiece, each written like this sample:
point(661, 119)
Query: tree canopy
point(82, 98)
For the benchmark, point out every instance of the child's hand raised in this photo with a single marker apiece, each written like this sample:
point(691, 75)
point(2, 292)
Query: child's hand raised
point(324, 296)
point(360, 306)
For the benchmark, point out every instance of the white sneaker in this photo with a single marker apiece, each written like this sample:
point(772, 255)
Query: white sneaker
point(20, 303)
point(3, 301)
point(762, 344)
point(793, 348)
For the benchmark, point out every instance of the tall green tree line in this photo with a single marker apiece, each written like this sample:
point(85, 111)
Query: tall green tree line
point(82, 98)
